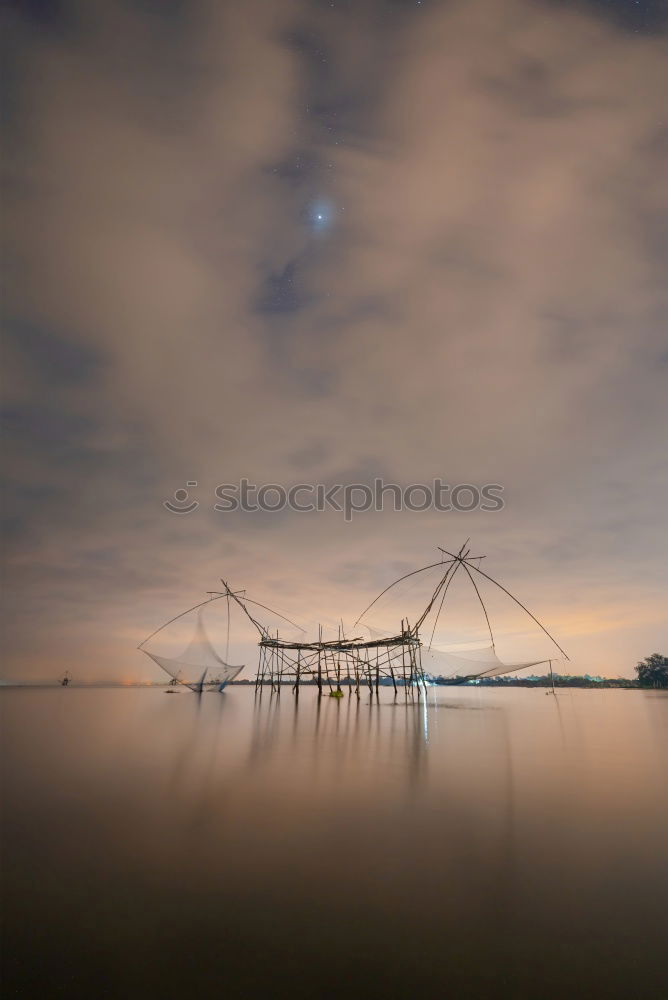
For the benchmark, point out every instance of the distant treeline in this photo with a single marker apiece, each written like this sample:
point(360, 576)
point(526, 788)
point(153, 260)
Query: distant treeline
point(560, 680)
point(651, 672)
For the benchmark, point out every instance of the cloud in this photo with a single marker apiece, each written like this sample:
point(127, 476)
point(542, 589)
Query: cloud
point(485, 305)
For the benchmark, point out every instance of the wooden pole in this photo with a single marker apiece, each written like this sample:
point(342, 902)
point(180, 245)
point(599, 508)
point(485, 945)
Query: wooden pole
point(394, 680)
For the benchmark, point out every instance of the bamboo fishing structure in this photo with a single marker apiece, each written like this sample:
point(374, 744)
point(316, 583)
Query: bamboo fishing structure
point(348, 662)
point(355, 661)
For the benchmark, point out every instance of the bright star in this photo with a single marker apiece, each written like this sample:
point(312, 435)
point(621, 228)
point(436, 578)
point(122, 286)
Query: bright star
point(320, 215)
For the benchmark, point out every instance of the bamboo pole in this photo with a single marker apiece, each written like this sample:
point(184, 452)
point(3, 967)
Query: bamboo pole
point(319, 662)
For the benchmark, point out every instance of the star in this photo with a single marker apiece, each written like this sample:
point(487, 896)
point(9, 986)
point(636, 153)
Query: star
point(320, 215)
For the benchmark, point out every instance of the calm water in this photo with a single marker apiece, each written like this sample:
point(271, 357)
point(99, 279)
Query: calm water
point(491, 844)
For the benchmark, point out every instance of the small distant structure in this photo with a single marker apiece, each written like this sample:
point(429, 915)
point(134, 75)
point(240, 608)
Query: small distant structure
point(401, 659)
point(66, 679)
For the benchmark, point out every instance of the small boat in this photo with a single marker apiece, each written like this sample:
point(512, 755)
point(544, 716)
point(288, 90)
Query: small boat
point(65, 679)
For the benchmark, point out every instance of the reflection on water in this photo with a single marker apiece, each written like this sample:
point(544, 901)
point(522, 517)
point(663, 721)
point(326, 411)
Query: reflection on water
point(478, 843)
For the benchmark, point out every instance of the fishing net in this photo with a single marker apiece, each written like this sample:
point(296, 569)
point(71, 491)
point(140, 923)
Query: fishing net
point(482, 661)
point(199, 661)
point(431, 586)
point(473, 663)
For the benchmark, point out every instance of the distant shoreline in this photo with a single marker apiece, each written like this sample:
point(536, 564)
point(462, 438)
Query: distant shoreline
point(585, 681)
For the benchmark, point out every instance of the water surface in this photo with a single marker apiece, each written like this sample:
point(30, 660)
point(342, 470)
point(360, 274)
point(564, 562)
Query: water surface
point(489, 843)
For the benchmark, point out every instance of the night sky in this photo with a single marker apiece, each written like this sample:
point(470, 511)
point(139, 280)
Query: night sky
point(328, 242)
